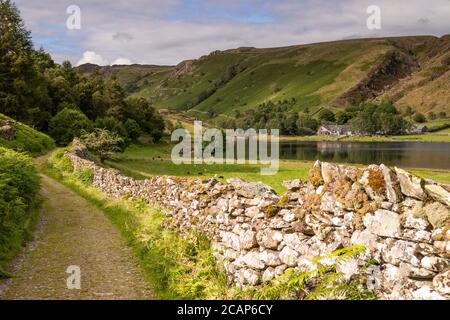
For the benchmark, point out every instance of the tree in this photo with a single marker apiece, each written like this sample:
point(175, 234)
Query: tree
point(102, 143)
point(419, 118)
point(326, 115)
point(442, 115)
point(133, 129)
point(19, 79)
point(342, 117)
point(68, 124)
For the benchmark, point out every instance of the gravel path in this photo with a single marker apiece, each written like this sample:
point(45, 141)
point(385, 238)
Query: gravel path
point(73, 232)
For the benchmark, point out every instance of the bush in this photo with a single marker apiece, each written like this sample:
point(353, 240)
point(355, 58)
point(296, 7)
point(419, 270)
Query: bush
point(326, 115)
point(133, 129)
point(68, 124)
point(419, 118)
point(103, 143)
point(19, 184)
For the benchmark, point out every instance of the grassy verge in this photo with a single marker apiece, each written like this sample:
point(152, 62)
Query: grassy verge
point(176, 267)
point(19, 184)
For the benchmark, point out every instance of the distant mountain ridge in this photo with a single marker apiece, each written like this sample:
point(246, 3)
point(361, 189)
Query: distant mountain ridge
point(414, 71)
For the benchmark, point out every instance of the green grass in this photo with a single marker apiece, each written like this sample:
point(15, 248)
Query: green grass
point(27, 139)
point(144, 161)
point(175, 266)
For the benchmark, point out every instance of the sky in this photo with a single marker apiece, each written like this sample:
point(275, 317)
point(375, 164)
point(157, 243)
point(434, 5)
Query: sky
point(166, 32)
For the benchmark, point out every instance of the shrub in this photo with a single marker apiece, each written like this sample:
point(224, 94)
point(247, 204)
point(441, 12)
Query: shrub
point(419, 117)
point(133, 129)
point(19, 184)
point(103, 143)
point(67, 125)
point(326, 115)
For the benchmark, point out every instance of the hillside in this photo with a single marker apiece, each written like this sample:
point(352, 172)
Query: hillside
point(414, 71)
point(17, 136)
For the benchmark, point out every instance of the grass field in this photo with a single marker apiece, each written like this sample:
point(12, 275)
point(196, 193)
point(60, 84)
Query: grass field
point(142, 161)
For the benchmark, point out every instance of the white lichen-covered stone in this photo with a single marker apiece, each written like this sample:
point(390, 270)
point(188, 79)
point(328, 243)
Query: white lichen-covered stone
point(289, 256)
point(441, 283)
point(438, 193)
point(410, 185)
point(253, 260)
point(270, 258)
point(384, 223)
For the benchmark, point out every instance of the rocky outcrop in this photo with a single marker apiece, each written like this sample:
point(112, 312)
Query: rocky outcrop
point(7, 130)
point(256, 234)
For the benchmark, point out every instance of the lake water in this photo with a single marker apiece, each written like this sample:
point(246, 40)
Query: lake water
point(435, 155)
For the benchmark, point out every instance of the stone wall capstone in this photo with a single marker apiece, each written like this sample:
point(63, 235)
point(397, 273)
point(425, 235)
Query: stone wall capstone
point(403, 220)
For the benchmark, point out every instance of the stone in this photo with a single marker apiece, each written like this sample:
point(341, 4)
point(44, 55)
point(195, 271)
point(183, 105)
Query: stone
point(289, 256)
point(441, 283)
point(268, 274)
point(393, 193)
point(8, 132)
point(287, 215)
point(416, 235)
point(329, 172)
point(293, 240)
point(410, 185)
point(397, 251)
point(269, 239)
point(231, 254)
point(249, 189)
point(231, 240)
point(251, 212)
point(248, 276)
point(252, 260)
point(293, 185)
point(328, 203)
point(348, 268)
point(426, 293)
point(247, 239)
point(384, 223)
point(438, 193)
point(437, 213)
point(410, 221)
point(435, 264)
point(270, 258)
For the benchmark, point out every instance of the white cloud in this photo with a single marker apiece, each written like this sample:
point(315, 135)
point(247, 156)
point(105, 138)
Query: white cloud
point(169, 31)
point(121, 61)
point(92, 57)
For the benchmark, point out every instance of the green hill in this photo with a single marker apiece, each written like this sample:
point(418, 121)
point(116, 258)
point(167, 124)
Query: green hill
point(20, 137)
point(413, 70)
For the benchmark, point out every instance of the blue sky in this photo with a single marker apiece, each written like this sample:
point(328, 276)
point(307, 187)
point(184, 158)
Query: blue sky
point(169, 31)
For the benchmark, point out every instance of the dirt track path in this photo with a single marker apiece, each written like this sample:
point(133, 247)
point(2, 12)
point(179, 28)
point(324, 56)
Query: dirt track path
point(72, 232)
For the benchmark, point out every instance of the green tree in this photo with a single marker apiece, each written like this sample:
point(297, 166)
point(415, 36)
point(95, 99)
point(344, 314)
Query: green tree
point(326, 115)
point(432, 116)
point(442, 115)
point(68, 124)
point(102, 143)
point(133, 129)
point(419, 117)
point(19, 79)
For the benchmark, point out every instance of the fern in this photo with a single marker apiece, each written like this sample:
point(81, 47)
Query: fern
point(324, 282)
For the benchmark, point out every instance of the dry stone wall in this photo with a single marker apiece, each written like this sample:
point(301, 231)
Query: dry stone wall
point(403, 220)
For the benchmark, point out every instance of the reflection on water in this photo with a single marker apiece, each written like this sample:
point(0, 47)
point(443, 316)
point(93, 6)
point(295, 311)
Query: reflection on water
point(404, 154)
